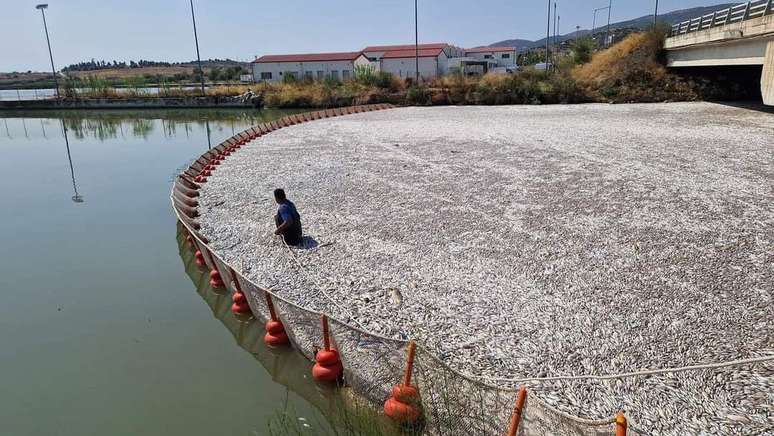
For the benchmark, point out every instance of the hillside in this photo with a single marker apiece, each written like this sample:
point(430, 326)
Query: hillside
point(637, 23)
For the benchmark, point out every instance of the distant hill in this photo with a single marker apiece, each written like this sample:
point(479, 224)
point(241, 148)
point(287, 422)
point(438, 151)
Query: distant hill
point(637, 23)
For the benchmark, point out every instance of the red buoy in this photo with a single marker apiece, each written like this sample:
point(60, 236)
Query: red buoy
point(199, 257)
point(275, 331)
point(240, 305)
point(403, 405)
point(327, 365)
point(215, 280)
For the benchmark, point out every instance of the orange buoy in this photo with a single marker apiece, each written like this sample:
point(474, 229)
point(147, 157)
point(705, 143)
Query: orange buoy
point(240, 305)
point(199, 257)
point(620, 424)
point(403, 406)
point(215, 280)
point(275, 331)
point(327, 365)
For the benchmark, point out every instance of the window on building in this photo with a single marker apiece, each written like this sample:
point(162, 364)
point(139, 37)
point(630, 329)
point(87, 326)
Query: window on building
point(320, 75)
point(345, 74)
point(487, 56)
point(506, 55)
point(334, 74)
point(309, 75)
point(266, 76)
point(293, 73)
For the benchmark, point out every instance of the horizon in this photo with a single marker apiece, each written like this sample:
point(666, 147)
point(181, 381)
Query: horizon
point(75, 38)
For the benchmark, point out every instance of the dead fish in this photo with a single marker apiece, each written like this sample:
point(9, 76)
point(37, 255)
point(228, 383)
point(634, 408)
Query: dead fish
point(395, 296)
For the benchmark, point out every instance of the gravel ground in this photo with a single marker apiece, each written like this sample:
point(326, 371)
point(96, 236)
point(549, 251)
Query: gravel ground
point(528, 241)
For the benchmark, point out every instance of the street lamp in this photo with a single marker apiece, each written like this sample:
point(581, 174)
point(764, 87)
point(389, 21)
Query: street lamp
point(42, 8)
point(548, 33)
point(607, 33)
point(198, 58)
point(416, 41)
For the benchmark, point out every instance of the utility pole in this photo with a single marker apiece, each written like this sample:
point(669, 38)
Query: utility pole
point(553, 53)
point(607, 33)
point(548, 33)
point(655, 16)
point(198, 58)
point(416, 41)
point(42, 8)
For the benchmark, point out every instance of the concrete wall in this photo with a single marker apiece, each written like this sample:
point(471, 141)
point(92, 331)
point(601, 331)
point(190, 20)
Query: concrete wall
point(318, 70)
point(767, 79)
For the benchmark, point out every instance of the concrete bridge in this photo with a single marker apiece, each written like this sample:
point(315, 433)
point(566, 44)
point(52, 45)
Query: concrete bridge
point(737, 36)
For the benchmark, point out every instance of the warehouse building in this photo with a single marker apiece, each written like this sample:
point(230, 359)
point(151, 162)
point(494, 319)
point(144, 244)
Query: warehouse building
point(318, 66)
point(436, 59)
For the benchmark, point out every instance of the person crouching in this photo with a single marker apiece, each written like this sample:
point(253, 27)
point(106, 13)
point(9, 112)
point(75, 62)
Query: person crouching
point(288, 220)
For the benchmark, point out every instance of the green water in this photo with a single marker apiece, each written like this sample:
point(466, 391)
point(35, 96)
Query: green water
point(105, 325)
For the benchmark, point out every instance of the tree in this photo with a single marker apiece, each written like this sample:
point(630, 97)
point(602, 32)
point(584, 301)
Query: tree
point(582, 49)
point(214, 74)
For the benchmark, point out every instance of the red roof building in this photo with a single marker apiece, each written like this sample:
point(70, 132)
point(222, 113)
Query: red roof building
point(310, 57)
point(490, 49)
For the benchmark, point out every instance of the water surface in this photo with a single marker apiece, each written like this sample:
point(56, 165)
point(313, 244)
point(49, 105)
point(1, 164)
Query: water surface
point(101, 329)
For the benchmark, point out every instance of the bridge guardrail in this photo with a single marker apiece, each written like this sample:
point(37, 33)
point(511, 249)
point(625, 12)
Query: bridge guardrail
point(734, 14)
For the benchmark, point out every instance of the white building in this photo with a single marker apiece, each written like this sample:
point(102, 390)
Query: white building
point(401, 60)
point(501, 56)
point(435, 60)
point(341, 66)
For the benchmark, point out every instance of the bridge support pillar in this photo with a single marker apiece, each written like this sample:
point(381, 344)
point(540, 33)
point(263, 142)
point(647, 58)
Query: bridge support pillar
point(767, 78)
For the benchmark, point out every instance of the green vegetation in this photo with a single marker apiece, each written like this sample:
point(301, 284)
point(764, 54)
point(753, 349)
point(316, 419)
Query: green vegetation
point(631, 71)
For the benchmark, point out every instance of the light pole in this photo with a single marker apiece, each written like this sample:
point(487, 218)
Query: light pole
point(553, 43)
point(548, 34)
point(607, 33)
point(198, 58)
point(416, 41)
point(42, 8)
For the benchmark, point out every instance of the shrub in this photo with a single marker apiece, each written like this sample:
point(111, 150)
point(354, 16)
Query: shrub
point(418, 95)
point(582, 49)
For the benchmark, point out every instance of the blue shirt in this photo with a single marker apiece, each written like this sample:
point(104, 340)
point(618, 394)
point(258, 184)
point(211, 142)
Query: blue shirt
point(287, 210)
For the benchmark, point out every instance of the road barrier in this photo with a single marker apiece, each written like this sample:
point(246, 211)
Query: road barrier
point(409, 380)
point(734, 14)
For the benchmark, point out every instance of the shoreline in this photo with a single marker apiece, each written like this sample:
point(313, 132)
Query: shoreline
point(130, 103)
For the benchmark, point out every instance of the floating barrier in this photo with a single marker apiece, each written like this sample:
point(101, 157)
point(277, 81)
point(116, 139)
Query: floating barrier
point(275, 330)
point(403, 404)
point(327, 365)
point(431, 393)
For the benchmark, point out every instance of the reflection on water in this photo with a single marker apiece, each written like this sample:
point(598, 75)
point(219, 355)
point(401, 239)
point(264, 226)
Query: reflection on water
point(338, 407)
point(76, 197)
point(104, 125)
point(100, 331)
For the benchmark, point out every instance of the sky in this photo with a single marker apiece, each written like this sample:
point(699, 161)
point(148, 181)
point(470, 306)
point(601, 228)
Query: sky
point(241, 29)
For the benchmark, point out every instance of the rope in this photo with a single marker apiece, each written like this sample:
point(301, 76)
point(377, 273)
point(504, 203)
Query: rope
point(634, 373)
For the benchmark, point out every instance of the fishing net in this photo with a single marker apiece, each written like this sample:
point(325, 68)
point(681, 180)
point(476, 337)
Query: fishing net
point(452, 403)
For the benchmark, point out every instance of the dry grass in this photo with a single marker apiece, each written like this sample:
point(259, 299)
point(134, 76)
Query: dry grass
point(632, 71)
